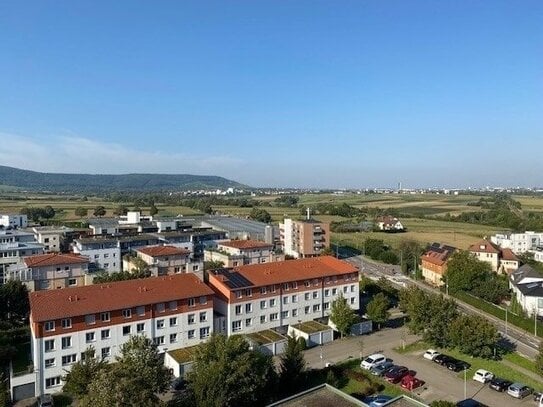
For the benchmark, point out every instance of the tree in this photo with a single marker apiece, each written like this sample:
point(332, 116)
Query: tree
point(539, 360)
point(327, 251)
point(5, 399)
point(81, 212)
point(443, 312)
point(260, 215)
point(48, 212)
point(416, 304)
point(464, 272)
point(137, 377)
point(342, 315)
point(442, 403)
point(99, 211)
point(377, 309)
point(139, 267)
point(14, 304)
point(213, 264)
point(82, 373)
point(474, 335)
point(226, 373)
point(292, 365)
point(153, 210)
point(120, 210)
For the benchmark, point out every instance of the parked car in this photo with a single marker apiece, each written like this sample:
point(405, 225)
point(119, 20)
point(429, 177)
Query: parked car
point(430, 354)
point(457, 365)
point(499, 384)
point(396, 374)
point(483, 376)
point(45, 401)
point(442, 359)
point(379, 400)
point(373, 360)
point(519, 390)
point(410, 382)
point(381, 369)
point(470, 403)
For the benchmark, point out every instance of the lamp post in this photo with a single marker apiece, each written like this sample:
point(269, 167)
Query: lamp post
point(465, 384)
point(506, 311)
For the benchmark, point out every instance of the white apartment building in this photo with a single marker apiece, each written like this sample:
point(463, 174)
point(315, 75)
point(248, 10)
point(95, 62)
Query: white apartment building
point(235, 253)
point(51, 237)
point(103, 253)
point(174, 311)
point(257, 297)
point(14, 245)
point(518, 242)
point(14, 221)
point(163, 260)
point(304, 238)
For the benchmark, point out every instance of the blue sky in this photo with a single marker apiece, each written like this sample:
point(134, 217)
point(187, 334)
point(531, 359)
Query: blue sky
point(279, 93)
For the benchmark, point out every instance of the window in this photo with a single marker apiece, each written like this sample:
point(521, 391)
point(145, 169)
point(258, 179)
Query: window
point(191, 319)
point(352, 288)
point(326, 305)
point(203, 300)
point(274, 316)
point(273, 302)
point(286, 286)
point(238, 294)
point(285, 300)
point(204, 332)
point(72, 282)
point(66, 342)
point(159, 340)
point(249, 292)
point(248, 308)
point(236, 326)
point(49, 326)
point(316, 282)
point(160, 307)
point(284, 314)
point(50, 362)
point(105, 317)
point(172, 305)
point(191, 334)
point(315, 294)
point(66, 323)
point(140, 328)
point(90, 336)
point(307, 310)
point(272, 288)
point(83, 354)
point(306, 283)
point(191, 302)
point(106, 352)
point(263, 304)
point(295, 285)
point(173, 338)
point(353, 299)
point(173, 321)
point(160, 324)
point(295, 312)
point(334, 291)
point(141, 310)
point(203, 316)
point(307, 296)
point(106, 334)
point(195, 267)
point(294, 298)
point(106, 265)
point(262, 319)
point(126, 330)
point(248, 322)
point(52, 382)
point(127, 313)
point(327, 293)
point(68, 359)
point(262, 290)
point(49, 345)
point(345, 288)
point(316, 308)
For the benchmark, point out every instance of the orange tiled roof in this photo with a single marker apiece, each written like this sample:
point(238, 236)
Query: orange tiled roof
point(507, 254)
point(54, 259)
point(489, 247)
point(438, 254)
point(245, 244)
point(290, 270)
point(157, 251)
point(69, 302)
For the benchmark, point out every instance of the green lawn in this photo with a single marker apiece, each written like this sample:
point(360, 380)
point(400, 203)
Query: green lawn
point(521, 361)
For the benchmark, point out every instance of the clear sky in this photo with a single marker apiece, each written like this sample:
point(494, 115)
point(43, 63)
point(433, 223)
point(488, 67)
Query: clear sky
point(277, 93)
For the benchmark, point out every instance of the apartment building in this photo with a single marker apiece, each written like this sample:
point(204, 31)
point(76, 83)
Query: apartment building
point(163, 260)
point(501, 260)
point(518, 242)
point(14, 245)
point(51, 271)
point(304, 238)
point(13, 221)
point(174, 311)
point(51, 237)
point(434, 263)
point(104, 253)
point(193, 239)
point(256, 297)
point(235, 253)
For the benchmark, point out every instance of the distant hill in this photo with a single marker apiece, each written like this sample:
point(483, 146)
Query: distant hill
point(56, 182)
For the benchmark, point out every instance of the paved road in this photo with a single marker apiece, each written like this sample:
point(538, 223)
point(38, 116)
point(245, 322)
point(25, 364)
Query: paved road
point(441, 384)
point(525, 343)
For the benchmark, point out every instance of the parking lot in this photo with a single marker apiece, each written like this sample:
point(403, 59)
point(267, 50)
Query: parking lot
point(441, 384)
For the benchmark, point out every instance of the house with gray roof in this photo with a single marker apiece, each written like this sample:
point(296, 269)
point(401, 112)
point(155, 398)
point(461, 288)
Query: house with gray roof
point(527, 286)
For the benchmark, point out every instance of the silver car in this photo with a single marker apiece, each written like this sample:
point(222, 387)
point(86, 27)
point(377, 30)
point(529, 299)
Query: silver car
point(381, 369)
point(519, 390)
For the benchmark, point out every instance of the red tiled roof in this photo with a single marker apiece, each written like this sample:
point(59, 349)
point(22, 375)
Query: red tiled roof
point(157, 251)
point(48, 305)
point(54, 259)
point(245, 244)
point(489, 247)
point(438, 255)
point(292, 270)
point(507, 254)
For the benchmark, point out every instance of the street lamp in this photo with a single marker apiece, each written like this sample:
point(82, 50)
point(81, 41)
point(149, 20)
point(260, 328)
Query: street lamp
point(465, 384)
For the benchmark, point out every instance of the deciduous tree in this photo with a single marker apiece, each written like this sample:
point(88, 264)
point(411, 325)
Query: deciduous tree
point(82, 373)
point(377, 309)
point(474, 335)
point(81, 211)
point(342, 315)
point(260, 215)
point(99, 211)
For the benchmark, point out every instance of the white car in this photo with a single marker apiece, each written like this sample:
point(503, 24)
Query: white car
point(430, 354)
point(483, 376)
point(373, 360)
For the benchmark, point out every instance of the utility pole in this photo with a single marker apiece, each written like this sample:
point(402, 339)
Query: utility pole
point(465, 384)
point(535, 321)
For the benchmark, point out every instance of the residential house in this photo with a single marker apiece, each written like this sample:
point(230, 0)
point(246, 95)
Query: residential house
point(527, 286)
point(164, 260)
point(15, 221)
point(434, 263)
point(51, 271)
point(502, 261)
point(174, 311)
point(233, 253)
point(52, 237)
point(104, 253)
point(304, 238)
point(256, 297)
point(518, 242)
point(14, 245)
point(389, 223)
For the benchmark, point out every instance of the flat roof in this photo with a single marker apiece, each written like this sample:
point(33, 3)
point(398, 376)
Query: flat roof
point(266, 336)
point(311, 327)
point(233, 224)
point(184, 355)
point(320, 396)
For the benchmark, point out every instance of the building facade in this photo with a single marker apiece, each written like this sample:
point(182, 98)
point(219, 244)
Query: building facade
point(52, 238)
point(501, 260)
point(304, 238)
point(104, 253)
point(14, 245)
point(165, 260)
point(174, 311)
point(434, 263)
point(274, 295)
point(526, 285)
point(518, 242)
point(233, 253)
point(15, 221)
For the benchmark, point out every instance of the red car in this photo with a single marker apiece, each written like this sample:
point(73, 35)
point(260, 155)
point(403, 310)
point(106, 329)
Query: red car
point(396, 374)
point(410, 382)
